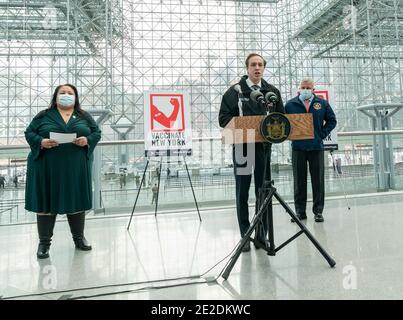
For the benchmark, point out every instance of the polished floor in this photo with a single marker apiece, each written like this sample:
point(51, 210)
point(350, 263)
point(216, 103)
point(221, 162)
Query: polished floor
point(170, 257)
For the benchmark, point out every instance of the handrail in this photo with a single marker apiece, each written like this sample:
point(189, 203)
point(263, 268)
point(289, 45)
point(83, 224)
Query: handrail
point(201, 139)
point(368, 133)
point(380, 106)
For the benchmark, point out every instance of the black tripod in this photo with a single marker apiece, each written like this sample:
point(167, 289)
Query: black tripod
point(262, 222)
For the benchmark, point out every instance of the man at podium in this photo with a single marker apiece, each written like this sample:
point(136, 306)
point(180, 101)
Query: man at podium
point(248, 158)
point(310, 151)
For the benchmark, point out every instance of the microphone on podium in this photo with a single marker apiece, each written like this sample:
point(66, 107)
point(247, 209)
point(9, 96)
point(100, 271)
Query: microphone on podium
point(271, 99)
point(238, 89)
point(271, 96)
point(258, 97)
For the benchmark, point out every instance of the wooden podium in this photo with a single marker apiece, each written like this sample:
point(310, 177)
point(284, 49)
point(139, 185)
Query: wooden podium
point(246, 129)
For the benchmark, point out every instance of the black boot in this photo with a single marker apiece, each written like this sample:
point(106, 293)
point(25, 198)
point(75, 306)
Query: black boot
point(45, 224)
point(76, 222)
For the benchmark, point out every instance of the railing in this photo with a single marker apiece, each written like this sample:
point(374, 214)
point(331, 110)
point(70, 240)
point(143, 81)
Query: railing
point(202, 139)
point(213, 188)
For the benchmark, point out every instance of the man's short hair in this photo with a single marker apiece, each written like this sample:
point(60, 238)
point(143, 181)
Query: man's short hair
point(254, 55)
point(310, 80)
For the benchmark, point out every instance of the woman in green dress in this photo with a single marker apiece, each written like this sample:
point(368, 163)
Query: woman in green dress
point(59, 174)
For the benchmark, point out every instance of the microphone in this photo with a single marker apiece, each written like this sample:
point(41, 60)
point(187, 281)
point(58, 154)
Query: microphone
point(238, 89)
point(272, 97)
point(258, 97)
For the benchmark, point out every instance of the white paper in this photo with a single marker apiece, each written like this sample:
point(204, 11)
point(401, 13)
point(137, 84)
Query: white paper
point(62, 137)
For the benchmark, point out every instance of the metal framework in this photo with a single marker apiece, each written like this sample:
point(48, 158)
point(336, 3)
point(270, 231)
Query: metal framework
point(114, 50)
point(350, 47)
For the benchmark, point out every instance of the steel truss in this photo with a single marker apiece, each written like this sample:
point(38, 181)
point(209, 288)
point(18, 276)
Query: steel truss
point(115, 50)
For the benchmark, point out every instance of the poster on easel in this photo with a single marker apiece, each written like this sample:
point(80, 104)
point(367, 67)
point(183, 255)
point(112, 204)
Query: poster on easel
point(330, 142)
point(167, 124)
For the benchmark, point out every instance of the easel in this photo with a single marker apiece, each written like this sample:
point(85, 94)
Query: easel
point(159, 180)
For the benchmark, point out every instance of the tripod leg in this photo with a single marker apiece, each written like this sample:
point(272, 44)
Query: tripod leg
point(256, 219)
point(138, 192)
point(263, 229)
point(260, 230)
point(265, 225)
point(331, 262)
point(158, 188)
point(191, 186)
point(269, 223)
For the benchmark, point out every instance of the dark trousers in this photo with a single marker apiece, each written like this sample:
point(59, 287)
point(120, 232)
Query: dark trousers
point(246, 164)
point(315, 159)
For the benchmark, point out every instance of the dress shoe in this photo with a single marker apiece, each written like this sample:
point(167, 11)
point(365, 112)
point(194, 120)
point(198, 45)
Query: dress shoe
point(76, 223)
point(45, 224)
point(246, 247)
point(43, 251)
point(319, 217)
point(300, 217)
point(82, 244)
point(259, 243)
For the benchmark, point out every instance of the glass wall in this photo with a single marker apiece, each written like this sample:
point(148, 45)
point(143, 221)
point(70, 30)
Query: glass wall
point(349, 171)
point(352, 49)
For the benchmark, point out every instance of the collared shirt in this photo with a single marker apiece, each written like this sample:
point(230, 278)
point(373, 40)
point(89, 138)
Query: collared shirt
point(250, 83)
point(310, 100)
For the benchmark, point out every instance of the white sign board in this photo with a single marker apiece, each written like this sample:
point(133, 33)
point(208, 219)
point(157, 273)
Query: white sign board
point(167, 124)
point(330, 142)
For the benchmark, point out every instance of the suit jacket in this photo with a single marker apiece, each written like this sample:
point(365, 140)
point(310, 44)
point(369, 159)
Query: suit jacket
point(324, 121)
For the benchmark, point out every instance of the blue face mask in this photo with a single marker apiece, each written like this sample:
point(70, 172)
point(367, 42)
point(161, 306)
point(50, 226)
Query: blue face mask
point(66, 100)
point(305, 94)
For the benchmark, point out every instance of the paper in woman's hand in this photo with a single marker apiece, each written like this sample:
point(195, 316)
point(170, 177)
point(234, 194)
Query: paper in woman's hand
point(62, 137)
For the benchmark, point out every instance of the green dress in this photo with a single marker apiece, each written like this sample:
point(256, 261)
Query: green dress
point(59, 179)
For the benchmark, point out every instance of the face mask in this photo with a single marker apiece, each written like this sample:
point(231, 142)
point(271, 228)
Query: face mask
point(66, 100)
point(305, 94)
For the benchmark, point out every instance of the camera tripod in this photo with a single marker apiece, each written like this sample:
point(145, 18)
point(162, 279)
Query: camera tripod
point(263, 221)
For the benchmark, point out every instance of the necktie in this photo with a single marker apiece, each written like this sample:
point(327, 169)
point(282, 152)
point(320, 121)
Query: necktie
point(255, 87)
point(307, 103)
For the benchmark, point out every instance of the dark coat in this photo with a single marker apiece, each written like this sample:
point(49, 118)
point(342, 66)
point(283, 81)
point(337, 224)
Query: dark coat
point(324, 121)
point(229, 102)
point(229, 109)
point(59, 179)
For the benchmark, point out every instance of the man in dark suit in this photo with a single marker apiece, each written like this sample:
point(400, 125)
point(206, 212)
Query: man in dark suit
point(248, 158)
point(310, 151)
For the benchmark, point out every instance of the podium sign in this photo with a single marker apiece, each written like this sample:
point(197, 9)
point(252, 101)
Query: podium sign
point(330, 142)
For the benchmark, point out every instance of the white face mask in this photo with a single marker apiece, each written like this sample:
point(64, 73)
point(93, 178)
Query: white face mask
point(66, 100)
point(305, 94)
